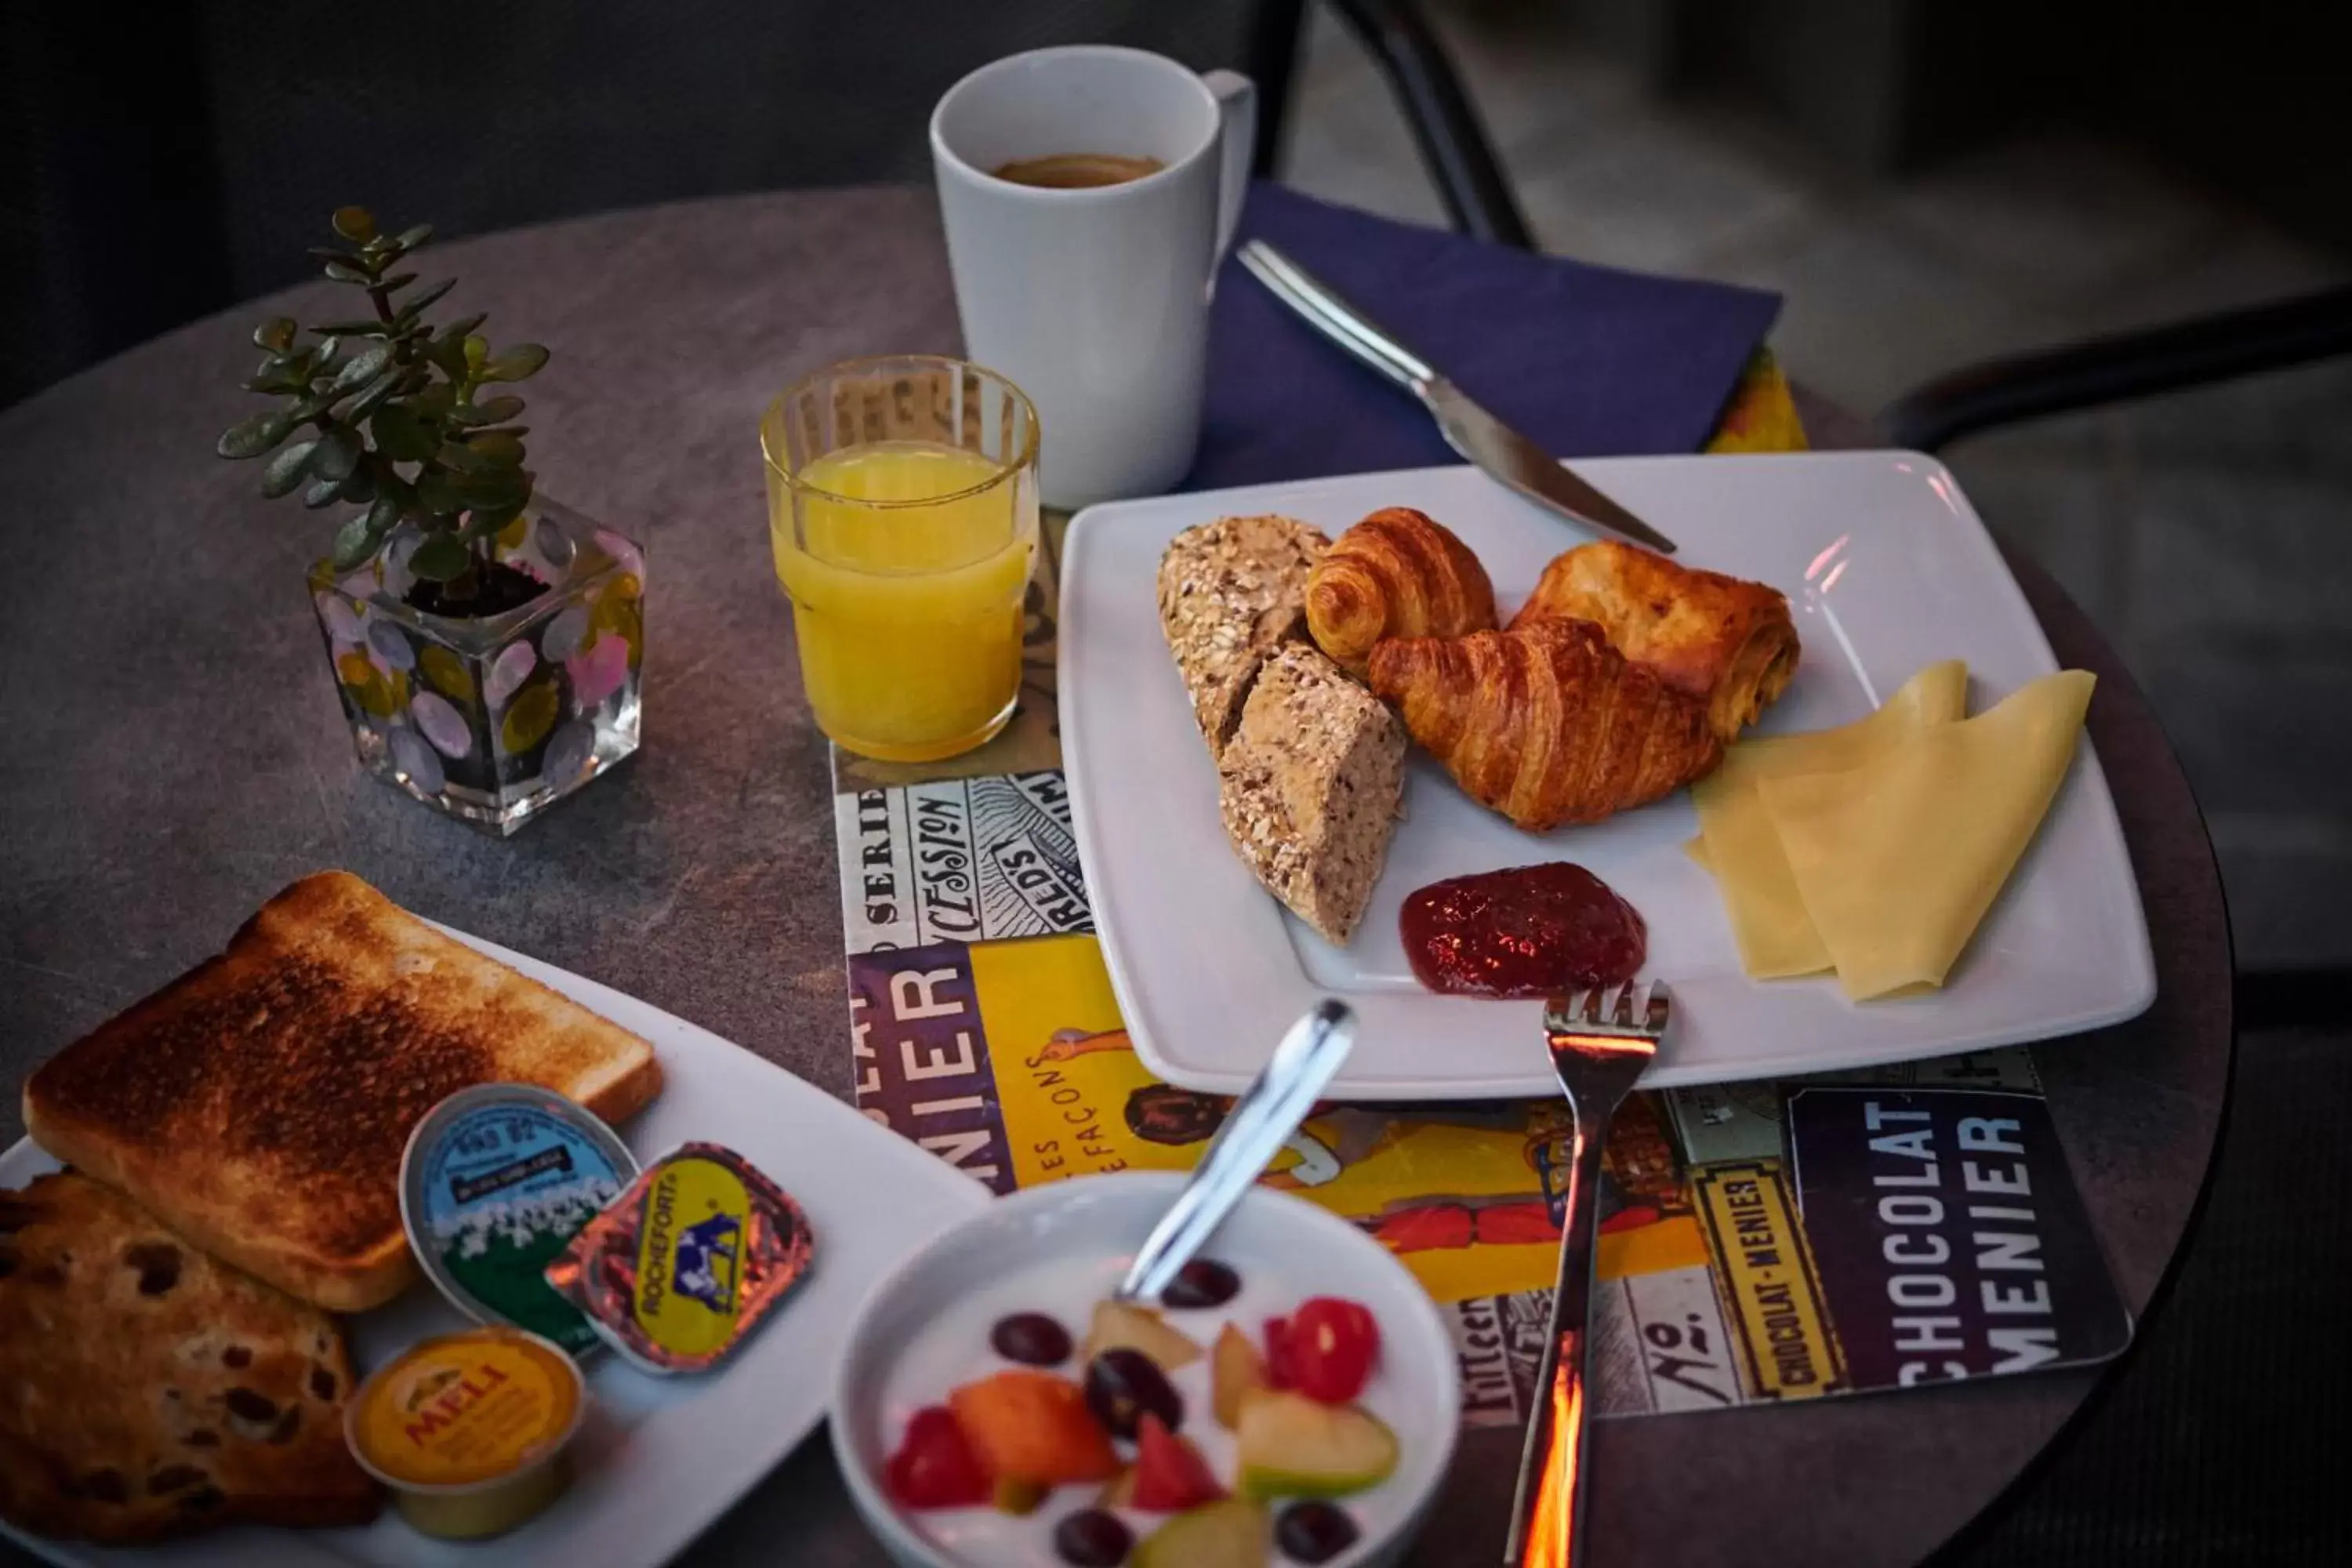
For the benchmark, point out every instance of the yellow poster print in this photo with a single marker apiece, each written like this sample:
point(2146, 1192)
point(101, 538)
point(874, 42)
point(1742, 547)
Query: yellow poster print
point(1461, 1193)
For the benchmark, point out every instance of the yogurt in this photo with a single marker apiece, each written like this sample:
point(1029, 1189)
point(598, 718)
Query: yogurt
point(954, 1349)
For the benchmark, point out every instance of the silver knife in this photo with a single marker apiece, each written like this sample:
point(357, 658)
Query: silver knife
point(1505, 454)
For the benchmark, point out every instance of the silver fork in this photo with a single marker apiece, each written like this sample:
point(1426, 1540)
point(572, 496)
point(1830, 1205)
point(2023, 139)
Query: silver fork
point(1601, 1041)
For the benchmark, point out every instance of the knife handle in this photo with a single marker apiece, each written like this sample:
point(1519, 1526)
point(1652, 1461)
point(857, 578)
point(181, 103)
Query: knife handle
point(1333, 316)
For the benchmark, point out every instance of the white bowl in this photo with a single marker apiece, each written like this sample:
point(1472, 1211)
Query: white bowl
point(1058, 1250)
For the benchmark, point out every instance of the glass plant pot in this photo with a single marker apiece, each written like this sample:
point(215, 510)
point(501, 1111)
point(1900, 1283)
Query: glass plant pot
point(493, 719)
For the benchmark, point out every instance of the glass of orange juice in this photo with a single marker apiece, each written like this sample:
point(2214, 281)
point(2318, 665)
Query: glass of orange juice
point(902, 504)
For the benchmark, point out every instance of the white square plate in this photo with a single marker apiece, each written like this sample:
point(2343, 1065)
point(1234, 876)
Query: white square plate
point(660, 1459)
point(1887, 569)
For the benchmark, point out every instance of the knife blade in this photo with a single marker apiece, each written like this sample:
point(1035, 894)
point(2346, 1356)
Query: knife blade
point(1513, 459)
point(1502, 453)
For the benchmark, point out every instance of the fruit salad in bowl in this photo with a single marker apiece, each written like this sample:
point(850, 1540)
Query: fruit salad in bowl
point(1291, 1398)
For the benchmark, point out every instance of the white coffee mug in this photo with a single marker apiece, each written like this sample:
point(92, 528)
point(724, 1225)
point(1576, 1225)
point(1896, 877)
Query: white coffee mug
point(1094, 301)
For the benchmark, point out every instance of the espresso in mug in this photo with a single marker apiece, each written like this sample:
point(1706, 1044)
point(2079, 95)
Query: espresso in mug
point(1077, 171)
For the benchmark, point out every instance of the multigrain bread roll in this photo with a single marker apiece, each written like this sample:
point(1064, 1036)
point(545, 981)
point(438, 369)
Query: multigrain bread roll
point(1397, 574)
point(258, 1104)
point(1230, 593)
point(1727, 642)
point(1308, 786)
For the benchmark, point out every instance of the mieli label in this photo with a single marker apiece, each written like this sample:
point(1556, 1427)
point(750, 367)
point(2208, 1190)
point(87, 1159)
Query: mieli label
point(466, 1407)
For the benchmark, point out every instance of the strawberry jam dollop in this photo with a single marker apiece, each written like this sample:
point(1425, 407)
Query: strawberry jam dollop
point(1530, 931)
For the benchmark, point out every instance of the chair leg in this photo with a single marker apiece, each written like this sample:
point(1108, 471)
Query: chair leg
point(1273, 65)
point(1444, 123)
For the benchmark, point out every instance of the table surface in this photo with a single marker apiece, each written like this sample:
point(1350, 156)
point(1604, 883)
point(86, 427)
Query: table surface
point(176, 754)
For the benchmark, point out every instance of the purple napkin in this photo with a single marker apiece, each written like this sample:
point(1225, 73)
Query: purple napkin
point(1586, 360)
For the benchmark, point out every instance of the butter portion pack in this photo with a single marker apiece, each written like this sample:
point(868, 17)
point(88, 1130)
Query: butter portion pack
point(686, 1261)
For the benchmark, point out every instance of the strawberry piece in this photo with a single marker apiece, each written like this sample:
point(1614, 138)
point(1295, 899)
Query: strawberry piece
point(1034, 1425)
point(935, 1467)
point(1278, 1371)
point(1333, 1344)
point(1171, 1475)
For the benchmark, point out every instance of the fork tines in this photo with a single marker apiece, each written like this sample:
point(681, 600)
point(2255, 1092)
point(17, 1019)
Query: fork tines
point(1612, 1010)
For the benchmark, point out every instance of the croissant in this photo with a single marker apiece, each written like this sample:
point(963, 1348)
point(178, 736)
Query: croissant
point(1395, 574)
point(1546, 722)
point(1729, 643)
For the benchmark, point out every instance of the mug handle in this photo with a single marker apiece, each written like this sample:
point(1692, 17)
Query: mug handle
point(1237, 134)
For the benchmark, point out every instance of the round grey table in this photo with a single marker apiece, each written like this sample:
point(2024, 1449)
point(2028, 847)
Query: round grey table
point(174, 754)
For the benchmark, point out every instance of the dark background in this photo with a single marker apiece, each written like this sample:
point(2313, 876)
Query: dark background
point(159, 162)
point(160, 168)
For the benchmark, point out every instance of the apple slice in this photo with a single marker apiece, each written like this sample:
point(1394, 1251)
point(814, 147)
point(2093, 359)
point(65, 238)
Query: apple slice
point(1226, 1535)
point(1292, 1445)
point(1234, 1368)
point(1119, 1325)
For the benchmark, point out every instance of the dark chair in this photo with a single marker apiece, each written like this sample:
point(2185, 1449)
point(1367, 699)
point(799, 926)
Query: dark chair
point(1445, 125)
point(2111, 370)
point(2119, 368)
point(160, 169)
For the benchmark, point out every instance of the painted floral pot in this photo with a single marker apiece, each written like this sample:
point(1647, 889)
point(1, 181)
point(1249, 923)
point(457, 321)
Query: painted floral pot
point(493, 719)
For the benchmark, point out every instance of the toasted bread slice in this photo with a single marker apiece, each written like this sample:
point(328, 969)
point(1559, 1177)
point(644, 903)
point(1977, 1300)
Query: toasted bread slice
point(258, 1105)
point(146, 1390)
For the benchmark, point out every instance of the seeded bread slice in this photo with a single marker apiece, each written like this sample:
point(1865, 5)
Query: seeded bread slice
point(1230, 593)
point(1309, 786)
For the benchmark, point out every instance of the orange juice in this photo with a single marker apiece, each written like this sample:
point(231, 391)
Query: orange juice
point(906, 562)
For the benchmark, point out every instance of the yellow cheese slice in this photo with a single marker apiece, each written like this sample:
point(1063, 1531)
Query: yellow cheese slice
point(1898, 858)
point(1736, 841)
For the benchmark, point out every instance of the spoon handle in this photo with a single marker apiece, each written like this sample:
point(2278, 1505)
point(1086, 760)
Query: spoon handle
point(1266, 1114)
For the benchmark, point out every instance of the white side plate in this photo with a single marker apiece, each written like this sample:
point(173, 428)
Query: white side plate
point(660, 1457)
point(1887, 568)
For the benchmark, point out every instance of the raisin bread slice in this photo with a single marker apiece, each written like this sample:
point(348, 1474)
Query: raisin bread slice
point(1309, 788)
point(1231, 591)
point(148, 1390)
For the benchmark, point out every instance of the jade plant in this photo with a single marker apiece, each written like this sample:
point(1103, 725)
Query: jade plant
point(384, 412)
